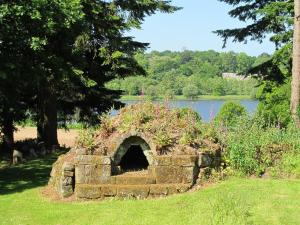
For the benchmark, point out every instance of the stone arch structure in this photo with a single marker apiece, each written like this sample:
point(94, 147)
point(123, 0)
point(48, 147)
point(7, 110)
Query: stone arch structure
point(134, 140)
point(95, 173)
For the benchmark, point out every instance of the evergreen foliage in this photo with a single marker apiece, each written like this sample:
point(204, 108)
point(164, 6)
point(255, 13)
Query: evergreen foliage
point(61, 53)
point(275, 19)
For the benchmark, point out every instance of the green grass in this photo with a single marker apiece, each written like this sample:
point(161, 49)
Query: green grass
point(235, 201)
point(200, 97)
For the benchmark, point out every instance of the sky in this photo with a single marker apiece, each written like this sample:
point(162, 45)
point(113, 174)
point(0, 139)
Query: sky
point(192, 28)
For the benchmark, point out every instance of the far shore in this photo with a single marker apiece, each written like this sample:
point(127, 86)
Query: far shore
point(181, 97)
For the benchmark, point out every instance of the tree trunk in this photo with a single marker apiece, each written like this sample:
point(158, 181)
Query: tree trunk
point(50, 119)
point(8, 134)
point(47, 115)
point(40, 114)
point(295, 95)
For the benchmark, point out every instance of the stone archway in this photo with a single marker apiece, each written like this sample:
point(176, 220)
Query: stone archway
point(134, 153)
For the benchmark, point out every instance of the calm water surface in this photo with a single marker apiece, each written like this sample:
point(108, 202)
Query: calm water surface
point(207, 109)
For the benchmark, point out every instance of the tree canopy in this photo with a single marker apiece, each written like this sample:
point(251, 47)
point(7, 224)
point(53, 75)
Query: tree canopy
point(273, 19)
point(172, 73)
point(61, 53)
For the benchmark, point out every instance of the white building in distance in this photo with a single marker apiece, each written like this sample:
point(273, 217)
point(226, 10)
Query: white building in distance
point(234, 76)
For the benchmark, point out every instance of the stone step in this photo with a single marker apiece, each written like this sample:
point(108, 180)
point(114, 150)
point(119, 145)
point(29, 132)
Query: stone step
point(133, 180)
point(86, 191)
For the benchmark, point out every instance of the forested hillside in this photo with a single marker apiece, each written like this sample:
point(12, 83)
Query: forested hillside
point(190, 73)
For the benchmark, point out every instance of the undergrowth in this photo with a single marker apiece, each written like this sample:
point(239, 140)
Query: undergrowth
point(250, 148)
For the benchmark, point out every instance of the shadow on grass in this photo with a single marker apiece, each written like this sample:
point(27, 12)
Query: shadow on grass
point(31, 174)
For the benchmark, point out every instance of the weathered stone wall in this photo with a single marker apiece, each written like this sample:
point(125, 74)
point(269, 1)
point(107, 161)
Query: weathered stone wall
point(92, 169)
point(67, 179)
point(90, 175)
point(166, 175)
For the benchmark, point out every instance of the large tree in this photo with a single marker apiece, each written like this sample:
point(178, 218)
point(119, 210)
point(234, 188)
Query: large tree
point(72, 48)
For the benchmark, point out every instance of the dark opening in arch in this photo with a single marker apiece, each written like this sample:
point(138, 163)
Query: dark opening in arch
point(134, 159)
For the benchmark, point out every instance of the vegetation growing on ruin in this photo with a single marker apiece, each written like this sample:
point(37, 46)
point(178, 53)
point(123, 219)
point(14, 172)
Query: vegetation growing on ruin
point(166, 126)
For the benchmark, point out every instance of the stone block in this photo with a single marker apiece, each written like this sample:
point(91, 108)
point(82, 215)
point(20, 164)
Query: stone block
point(92, 174)
point(88, 173)
point(88, 191)
point(189, 174)
point(178, 188)
point(105, 160)
point(80, 174)
point(93, 159)
point(181, 188)
point(68, 166)
point(158, 190)
point(184, 160)
point(104, 173)
point(168, 174)
point(151, 171)
point(134, 180)
point(162, 160)
point(112, 180)
point(68, 173)
point(136, 191)
point(109, 190)
point(97, 174)
point(65, 181)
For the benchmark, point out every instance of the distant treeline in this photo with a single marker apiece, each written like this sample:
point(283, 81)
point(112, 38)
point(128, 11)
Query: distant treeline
point(190, 73)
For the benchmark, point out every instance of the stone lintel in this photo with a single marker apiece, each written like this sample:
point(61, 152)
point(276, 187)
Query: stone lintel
point(93, 159)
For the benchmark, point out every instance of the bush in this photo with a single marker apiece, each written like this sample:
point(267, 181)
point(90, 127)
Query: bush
point(190, 91)
point(169, 94)
point(274, 106)
point(86, 138)
point(152, 92)
point(252, 148)
point(229, 113)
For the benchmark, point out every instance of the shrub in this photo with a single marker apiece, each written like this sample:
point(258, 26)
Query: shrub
point(86, 138)
point(191, 91)
point(252, 148)
point(229, 113)
point(152, 92)
point(274, 106)
point(169, 94)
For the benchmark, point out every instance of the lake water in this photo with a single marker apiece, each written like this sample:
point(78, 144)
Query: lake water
point(207, 109)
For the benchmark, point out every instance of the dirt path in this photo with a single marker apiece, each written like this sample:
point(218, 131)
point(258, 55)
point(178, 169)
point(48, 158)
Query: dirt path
point(66, 138)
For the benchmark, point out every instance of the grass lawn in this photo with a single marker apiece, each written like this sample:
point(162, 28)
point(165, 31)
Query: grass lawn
point(200, 97)
point(235, 201)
